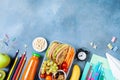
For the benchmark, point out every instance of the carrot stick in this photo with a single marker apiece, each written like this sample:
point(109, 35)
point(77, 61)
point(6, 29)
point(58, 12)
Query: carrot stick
point(70, 56)
point(70, 60)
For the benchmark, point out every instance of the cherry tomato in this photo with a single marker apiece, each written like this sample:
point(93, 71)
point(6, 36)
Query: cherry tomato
point(65, 70)
point(42, 75)
point(48, 78)
point(64, 65)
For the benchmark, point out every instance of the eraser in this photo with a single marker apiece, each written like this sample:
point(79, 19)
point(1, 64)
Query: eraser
point(110, 46)
point(113, 39)
point(91, 43)
point(95, 46)
point(115, 48)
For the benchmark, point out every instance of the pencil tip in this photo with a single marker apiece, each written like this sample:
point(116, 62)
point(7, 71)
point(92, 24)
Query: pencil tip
point(17, 51)
point(25, 52)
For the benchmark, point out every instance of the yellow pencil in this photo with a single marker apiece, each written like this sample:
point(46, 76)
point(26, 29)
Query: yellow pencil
point(8, 78)
point(18, 75)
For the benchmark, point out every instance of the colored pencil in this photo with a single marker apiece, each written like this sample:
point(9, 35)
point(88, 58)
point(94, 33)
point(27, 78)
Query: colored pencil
point(15, 67)
point(88, 72)
point(16, 53)
point(14, 57)
point(19, 65)
point(13, 63)
point(18, 75)
point(8, 78)
point(90, 75)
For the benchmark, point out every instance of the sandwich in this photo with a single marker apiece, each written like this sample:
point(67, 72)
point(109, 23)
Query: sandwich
point(57, 52)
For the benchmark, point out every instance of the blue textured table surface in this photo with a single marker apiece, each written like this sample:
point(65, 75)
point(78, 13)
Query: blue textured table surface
point(76, 22)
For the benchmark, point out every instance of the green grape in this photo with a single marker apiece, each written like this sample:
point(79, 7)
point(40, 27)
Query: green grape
point(42, 71)
point(43, 65)
point(51, 63)
point(54, 64)
point(43, 68)
point(56, 68)
point(47, 73)
point(54, 71)
point(47, 67)
point(45, 62)
point(50, 70)
point(48, 61)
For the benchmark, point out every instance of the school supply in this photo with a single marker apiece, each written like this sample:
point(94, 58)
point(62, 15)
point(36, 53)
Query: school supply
point(19, 65)
point(114, 66)
point(19, 72)
point(13, 63)
point(19, 58)
point(100, 69)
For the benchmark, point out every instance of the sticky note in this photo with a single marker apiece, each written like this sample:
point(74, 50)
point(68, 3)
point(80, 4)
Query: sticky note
point(113, 39)
point(115, 48)
point(110, 46)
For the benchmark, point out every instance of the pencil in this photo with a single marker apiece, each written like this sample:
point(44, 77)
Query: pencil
point(8, 78)
point(15, 67)
point(16, 72)
point(88, 72)
point(12, 63)
point(18, 75)
point(90, 75)
point(16, 53)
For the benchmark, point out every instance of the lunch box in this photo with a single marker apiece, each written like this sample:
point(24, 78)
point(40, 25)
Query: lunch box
point(59, 69)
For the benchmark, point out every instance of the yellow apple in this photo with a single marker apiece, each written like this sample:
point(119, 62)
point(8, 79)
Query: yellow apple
point(4, 60)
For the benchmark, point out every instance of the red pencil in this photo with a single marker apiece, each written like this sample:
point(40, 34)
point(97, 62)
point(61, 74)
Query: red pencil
point(19, 72)
point(19, 65)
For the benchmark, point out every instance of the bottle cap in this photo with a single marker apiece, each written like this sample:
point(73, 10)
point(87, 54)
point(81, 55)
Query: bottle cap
point(36, 54)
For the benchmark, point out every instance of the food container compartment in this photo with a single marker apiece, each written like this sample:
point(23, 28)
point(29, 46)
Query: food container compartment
point(45, 58)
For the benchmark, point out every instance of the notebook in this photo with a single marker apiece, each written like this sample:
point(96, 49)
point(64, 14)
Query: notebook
point(94, 60)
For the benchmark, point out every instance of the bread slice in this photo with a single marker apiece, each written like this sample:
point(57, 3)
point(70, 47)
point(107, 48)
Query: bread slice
point(61, 55)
